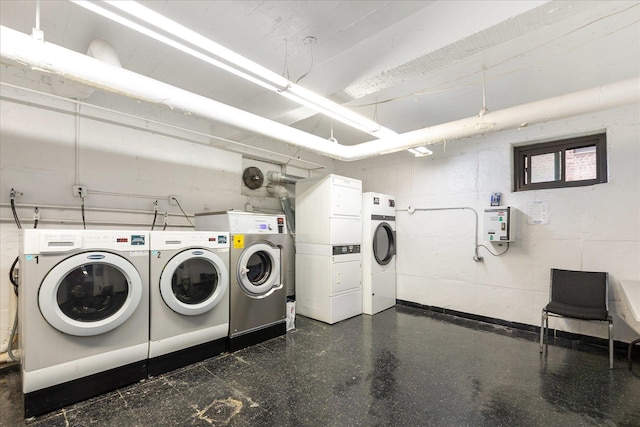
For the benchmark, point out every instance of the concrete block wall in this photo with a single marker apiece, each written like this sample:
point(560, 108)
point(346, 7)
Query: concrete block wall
point(591, 228)
point(132, 165)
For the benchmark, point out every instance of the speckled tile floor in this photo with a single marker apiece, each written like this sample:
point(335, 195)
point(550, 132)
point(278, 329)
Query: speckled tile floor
point(402, 367)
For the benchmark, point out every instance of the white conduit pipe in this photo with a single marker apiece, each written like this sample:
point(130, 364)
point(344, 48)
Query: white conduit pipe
point(63, 221)
point(72, 65)
point(47, 57)
point(87, 208)
point(98, 49)
point(412, 210)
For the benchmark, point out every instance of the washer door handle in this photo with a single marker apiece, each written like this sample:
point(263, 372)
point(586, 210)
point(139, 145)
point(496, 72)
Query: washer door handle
point(244, 270)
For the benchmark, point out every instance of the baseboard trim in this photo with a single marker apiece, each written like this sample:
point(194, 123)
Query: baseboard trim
point(585, 339)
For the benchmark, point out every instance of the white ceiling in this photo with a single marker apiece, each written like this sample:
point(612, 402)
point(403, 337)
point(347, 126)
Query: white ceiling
point(406, 64)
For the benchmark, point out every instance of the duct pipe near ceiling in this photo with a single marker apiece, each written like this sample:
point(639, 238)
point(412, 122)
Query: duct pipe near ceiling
point(282, 193)
point(283, 178)
point(47, 57)
point(98, 49)
point(103, 51)
point(54, 59)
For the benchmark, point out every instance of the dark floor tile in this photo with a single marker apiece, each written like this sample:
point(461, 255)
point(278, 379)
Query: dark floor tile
point(109, 411)
point(189, 377)
point(404, 366)
point(57, 419)
point(220, 404)
point(11, 403)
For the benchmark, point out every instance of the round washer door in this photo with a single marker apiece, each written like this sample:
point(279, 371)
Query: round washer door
point(259, 270)
point(384, 243)
point(90, 293)
point(194, 281)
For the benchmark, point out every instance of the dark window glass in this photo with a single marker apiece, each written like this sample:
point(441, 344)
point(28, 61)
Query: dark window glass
point(383, 244)
point(92, 292)
point(565, 163)
point(259, 266)
point(194, 281)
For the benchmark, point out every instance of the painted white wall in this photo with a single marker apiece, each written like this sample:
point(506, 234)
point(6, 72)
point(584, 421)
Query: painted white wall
point(38, 158)
point(593, 228)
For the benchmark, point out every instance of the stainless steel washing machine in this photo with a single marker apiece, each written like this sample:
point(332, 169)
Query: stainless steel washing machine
point(84, 314)
point(189, 295)
point(258, 274)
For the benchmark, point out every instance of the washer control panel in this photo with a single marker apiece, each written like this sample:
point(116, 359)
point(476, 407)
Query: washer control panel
point(346, 249)
point(258, 224)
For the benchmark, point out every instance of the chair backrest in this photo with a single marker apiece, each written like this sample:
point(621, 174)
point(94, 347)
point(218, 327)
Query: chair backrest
point(581, 288)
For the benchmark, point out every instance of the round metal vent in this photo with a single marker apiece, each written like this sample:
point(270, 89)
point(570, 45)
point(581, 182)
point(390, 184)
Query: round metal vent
point(253, 177)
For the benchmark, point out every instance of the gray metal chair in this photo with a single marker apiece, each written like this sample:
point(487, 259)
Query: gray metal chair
point(579, 295)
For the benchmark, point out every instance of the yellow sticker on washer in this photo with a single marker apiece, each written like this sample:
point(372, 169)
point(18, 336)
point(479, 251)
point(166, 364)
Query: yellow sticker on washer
point(238, 241)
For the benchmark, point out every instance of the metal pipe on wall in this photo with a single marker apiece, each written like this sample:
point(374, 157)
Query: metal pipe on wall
point(283, 178)
point(61, 221)
point(281, 192)
point(241, 147)
point(87, 208)
point(411, 209)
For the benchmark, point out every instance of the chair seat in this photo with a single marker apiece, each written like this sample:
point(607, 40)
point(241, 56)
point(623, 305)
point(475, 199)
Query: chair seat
point(578, 312)
point(579, 295)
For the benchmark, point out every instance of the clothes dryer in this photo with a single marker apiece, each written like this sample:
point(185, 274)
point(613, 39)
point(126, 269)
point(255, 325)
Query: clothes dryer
point(189, 297)
point(84, 314)
point(379, 251)
point(258, 301)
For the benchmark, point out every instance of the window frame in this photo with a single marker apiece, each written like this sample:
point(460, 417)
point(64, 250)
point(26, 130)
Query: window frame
point(523, 152)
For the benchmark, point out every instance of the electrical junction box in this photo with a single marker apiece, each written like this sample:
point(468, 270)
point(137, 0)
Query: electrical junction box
point(499, 224)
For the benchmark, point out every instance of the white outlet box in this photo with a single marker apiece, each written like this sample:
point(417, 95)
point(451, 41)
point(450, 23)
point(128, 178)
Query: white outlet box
point(79, 191)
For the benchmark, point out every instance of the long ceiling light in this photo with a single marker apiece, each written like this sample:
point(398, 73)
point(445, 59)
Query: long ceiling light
point(46, 57)
point(234, 62)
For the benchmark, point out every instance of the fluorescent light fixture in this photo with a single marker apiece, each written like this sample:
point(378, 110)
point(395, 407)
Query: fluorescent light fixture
point(421, 151)
point(163, 39)
point(233, 63)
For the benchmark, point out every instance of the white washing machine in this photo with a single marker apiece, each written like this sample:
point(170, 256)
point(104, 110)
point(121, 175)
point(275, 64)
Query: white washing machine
point(84, 314)
point(189, 297)
point(257, 282)
point(379, 252)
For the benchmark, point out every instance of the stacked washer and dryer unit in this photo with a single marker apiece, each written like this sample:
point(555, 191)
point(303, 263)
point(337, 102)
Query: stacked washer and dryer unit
point(379, 250)
point(84, 307)
point(258, 248)
point(328, 248)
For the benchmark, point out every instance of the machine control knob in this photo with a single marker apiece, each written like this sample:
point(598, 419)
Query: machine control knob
point(269, 227)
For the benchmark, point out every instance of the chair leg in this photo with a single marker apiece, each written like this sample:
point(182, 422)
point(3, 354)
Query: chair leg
point(631, 344)
point(610, 343)
point(544, 317)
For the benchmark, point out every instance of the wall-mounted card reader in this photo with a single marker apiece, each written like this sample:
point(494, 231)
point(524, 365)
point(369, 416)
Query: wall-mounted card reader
point(499, 224)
